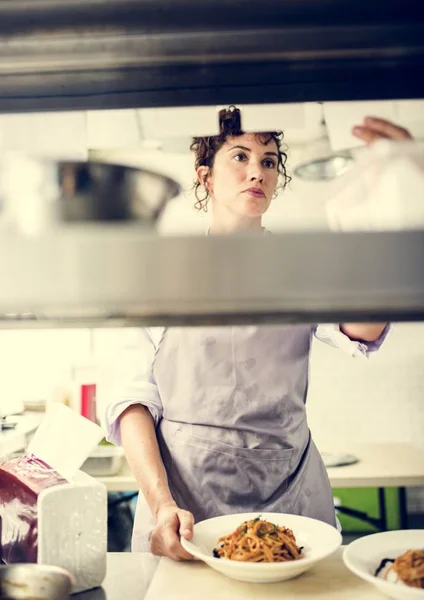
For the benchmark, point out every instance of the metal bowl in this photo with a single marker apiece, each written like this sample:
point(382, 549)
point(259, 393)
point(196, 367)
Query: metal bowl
point(36, 191)
point(33, 581)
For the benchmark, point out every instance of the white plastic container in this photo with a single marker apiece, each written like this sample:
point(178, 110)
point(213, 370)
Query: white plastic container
point(104, 461)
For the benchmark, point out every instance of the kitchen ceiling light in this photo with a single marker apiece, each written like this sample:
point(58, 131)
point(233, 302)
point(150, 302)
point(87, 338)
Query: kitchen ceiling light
point(319, 162)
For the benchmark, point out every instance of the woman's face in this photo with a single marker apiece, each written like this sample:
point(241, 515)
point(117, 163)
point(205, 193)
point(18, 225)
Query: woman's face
point(244, 175)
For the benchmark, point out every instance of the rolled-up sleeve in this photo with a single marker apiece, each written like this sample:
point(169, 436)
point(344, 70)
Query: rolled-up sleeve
point(332, 335)
point(138, 388)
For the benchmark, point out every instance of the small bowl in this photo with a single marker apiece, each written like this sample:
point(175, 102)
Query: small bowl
point(363, 556)
point(28, 581)
point(318, 539)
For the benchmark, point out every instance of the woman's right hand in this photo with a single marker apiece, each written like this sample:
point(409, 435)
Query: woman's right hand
point(172, 523)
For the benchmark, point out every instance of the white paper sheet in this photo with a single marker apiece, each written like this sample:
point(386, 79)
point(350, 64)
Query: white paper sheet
point(64, 440)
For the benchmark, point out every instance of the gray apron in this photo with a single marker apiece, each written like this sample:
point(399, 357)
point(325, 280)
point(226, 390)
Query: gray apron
point(234, 435)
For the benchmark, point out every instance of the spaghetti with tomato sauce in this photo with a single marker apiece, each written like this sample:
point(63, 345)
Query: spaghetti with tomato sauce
point(259, 541)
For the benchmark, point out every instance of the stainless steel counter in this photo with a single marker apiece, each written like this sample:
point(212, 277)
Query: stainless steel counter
point(128, 577)
point(144, 577)
point(15, 440)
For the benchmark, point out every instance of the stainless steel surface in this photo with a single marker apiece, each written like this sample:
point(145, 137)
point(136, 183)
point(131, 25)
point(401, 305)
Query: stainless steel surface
point(36, 193)
point(34, 582)
point(128, 577)
point(324, 169)
point(104, 461)
point(16, 439)
point(333, 459)
point(118, 276)
point(129, 53)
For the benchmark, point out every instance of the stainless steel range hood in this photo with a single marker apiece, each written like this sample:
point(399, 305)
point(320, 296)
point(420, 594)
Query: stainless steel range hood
point(96, 54)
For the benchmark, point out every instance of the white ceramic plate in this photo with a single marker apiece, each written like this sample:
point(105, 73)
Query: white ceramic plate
point(364, 555)
point(317, 538)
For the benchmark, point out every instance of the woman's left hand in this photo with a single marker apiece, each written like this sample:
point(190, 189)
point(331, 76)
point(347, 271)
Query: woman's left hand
point(373, 129)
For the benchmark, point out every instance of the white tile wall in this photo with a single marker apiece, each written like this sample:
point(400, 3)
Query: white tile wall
point(47, 134)
point(379, 400)
point(32, 362)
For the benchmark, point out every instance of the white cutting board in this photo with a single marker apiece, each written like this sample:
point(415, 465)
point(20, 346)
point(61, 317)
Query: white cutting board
point(329, 580)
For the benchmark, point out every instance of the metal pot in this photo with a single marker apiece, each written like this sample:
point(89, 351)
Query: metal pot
point(29, 581)
point(36, 192)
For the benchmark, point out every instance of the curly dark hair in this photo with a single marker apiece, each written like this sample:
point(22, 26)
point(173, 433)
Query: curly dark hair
point(205, 149)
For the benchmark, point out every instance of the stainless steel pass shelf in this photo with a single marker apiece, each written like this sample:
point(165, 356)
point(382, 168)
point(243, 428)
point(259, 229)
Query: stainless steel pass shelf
point(116, 276)
point(98, 54)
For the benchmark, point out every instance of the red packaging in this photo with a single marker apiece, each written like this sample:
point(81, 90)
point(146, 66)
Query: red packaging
point(88, 401)
point(21, 482)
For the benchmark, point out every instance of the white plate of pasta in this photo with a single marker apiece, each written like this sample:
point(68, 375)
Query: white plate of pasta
point(262, 547)
point(392, 561)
